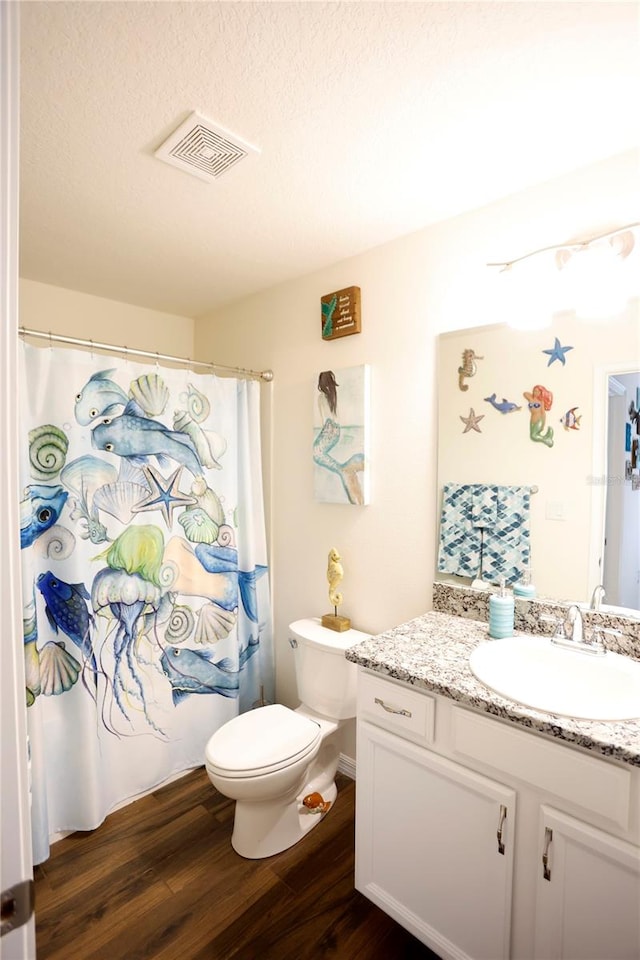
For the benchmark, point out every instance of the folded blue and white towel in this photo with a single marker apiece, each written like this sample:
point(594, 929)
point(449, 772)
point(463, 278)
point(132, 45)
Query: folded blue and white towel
point(484, 531)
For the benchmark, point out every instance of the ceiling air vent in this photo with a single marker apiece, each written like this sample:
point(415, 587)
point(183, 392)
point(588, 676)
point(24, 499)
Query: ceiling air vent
point(203, 149)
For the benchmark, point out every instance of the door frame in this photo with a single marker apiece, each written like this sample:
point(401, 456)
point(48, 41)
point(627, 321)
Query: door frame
point(16, 859)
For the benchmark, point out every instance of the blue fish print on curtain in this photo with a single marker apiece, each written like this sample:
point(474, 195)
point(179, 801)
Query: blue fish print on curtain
point(39, 510)
point(137, 438)
point(67, 610)
point(98, 397)
point(147, 620)
point(191, 671)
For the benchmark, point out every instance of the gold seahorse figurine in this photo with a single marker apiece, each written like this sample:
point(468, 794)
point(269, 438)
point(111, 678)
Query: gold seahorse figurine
point(335, 574)
point(468, 368)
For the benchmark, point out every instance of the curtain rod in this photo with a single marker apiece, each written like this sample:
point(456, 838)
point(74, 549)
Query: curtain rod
point(266, 375)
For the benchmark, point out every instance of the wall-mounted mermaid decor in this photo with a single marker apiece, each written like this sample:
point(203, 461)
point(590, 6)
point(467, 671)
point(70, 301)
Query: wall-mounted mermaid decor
point(539, 400)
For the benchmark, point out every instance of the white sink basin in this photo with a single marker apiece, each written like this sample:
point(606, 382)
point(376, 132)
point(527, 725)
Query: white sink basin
point(569, 683)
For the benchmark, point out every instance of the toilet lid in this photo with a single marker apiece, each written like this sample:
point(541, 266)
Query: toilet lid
point(261, 741)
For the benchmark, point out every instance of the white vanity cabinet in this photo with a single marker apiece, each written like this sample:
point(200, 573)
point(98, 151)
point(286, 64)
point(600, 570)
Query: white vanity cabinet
point(427, 850)
point(588, 892)
point(455, 812)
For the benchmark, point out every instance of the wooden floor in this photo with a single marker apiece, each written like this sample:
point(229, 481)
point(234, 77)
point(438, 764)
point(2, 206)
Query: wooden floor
point(159, 879)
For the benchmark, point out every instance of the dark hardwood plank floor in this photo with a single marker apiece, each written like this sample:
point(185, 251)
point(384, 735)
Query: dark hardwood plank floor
point(159, 879)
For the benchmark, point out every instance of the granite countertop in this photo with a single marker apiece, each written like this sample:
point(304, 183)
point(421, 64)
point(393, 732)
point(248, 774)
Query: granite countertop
point(432, 652)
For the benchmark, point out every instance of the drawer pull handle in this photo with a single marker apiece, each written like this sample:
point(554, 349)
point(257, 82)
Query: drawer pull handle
point(548, 837)
point(503, 817)
point(401, 713)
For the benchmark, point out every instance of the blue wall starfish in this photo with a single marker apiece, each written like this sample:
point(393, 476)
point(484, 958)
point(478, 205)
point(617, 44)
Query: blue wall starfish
point(557, 352)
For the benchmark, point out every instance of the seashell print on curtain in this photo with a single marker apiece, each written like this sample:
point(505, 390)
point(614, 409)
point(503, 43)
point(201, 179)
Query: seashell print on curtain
point(147, 620)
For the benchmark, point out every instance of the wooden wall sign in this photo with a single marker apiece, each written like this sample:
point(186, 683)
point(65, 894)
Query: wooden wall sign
point(340, 313)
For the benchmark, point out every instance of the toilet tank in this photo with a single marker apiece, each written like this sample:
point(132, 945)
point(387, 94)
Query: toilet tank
point(326, 680)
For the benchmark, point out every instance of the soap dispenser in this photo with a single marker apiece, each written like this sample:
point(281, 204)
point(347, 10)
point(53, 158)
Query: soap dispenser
point(501, 608)
point(524, 587)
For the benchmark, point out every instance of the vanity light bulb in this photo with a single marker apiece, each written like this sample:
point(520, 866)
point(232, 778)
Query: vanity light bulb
point(527, 295)
point(530, 318)
point(595, 277)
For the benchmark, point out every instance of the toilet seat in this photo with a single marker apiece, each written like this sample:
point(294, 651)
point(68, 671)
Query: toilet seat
point(261, 741)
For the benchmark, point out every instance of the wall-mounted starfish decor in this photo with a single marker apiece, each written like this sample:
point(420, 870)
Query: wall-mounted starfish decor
point(557, 352)
point(471, 422)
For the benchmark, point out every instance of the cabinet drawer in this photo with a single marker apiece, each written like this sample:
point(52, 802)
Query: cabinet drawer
point(395, 707)
point(591, 783)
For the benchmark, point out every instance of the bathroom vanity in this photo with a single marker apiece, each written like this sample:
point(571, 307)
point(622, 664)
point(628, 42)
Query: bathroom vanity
point(487, 829)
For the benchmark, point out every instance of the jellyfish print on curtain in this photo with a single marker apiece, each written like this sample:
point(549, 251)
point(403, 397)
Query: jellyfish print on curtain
point(147, 620)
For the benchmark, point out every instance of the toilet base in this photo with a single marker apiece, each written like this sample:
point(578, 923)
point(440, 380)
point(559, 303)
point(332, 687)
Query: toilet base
point(264, 828)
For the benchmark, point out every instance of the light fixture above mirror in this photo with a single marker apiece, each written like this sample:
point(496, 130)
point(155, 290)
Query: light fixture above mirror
point(594, 278)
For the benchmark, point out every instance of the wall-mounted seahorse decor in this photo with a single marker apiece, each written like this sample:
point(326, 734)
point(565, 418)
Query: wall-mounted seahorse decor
point(468, 368)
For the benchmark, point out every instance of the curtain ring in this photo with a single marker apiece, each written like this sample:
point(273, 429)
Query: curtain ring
point(157, 361)
point(126, 354)
point(91, 342)
point(50, 341)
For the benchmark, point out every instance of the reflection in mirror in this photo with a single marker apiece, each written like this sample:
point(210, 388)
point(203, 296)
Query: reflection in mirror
point(567, 515)
point(621, 546)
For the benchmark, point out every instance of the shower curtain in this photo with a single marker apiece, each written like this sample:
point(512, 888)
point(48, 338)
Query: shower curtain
point(147, 620)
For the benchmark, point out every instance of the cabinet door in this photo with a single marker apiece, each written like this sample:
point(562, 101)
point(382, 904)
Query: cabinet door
point(588, 892)
point(427, 847)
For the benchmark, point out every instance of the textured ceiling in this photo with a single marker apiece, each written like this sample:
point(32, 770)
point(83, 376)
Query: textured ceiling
point(373, 120)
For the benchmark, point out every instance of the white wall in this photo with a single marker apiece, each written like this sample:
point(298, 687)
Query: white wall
point(412, 289)
point(69, 313)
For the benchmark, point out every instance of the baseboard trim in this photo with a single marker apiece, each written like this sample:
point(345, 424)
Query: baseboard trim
point(347, 765)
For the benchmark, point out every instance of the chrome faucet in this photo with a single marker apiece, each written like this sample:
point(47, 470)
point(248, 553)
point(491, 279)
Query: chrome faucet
point(575, 619)
point(597, 597)
point(576, 640)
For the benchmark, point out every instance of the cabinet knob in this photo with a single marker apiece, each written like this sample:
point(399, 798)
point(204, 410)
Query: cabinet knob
point(503, 817)
point(548, 837)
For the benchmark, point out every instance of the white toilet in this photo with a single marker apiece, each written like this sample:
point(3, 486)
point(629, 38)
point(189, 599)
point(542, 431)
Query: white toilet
point(269, 759)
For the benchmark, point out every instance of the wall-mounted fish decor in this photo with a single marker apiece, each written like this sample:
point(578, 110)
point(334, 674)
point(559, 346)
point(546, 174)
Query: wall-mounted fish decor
point(570, 421)
point(504, 405)
point(468, 368)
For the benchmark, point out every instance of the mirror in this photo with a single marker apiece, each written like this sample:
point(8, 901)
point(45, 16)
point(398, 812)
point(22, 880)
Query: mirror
point(484, 375)
point(620, 544)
